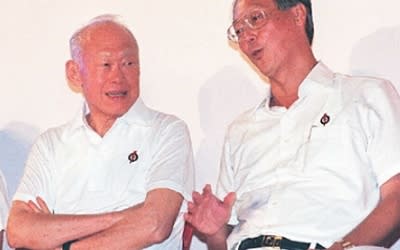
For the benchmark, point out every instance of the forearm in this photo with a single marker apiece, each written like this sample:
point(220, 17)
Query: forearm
point(217, 241)
point(143, 225)
point(43, 231)
point(128, 234)
point(380, 224)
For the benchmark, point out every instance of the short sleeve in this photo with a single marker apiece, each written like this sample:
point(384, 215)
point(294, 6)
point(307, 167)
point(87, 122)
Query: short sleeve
point(384, 146)
point(172, 160)
point(37, 176)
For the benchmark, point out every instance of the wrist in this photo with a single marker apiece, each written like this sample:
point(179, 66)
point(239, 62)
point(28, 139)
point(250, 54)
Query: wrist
point(221, 234)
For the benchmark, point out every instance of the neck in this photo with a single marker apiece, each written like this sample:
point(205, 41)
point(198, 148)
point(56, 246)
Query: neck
point(285, 83)
point(283, 101)
point(99, 125)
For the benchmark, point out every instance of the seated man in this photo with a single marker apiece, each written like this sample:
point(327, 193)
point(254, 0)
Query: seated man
point(316, 164)
point(3, 208)
point(114, 177)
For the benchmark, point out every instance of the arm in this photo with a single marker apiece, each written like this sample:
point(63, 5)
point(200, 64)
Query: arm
point(210, 216)
point(142, 225)
point(27, 228)
point(218, 240)
point(382, 222)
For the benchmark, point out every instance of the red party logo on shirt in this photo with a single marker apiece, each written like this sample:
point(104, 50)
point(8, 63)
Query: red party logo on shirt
point(132, 157)
point(325, 119)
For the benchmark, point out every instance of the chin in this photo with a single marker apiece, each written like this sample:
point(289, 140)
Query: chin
point(262, 69)
point(117, 112)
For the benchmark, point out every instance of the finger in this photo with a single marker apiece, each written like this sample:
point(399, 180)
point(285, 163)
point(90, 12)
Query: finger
point(197, 198)
point(187, 217)
point(230, 199)
point(207, 189)
point(190, 206)
point(42, 205)
point(192, 209)
point(34, 207)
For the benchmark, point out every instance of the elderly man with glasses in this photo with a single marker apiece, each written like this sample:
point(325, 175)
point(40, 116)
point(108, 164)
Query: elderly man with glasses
point(316, 164)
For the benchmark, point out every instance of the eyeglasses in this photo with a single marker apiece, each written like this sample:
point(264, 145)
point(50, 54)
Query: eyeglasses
point(254, 20)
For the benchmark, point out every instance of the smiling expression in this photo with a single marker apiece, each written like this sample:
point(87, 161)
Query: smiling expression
point(109, 71)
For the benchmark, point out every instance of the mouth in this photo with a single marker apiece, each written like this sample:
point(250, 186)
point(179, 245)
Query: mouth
point(257, 53)
point(116, 94)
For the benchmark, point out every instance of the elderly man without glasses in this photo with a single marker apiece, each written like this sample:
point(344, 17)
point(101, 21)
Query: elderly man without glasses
point(116, 176)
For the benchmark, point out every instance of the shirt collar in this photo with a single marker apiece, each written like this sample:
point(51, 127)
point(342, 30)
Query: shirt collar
point(320, 77)
point(138, 114)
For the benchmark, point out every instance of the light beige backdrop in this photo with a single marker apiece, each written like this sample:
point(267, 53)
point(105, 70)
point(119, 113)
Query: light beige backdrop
point(188, 67)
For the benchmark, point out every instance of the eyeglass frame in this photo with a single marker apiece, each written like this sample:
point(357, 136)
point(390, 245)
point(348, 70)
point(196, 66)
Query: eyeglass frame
point(231, 31)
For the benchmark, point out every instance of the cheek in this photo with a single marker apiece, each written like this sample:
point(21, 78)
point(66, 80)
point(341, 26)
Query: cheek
point(92, 76)
point(133, 77)
point(93, 84)
point(244, 48)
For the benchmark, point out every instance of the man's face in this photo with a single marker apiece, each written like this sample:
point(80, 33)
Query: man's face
point(109, 71)
point(269, 46)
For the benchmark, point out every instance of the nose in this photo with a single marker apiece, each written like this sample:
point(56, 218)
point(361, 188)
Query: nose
point(248, 36)
point(117, 74)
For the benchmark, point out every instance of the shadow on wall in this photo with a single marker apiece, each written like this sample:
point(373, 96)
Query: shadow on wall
point(378, 54)
point(16, 139)
point(222, 98)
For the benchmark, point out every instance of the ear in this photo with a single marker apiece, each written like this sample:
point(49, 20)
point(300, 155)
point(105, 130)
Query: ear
point(300, 14)
point(73, 75)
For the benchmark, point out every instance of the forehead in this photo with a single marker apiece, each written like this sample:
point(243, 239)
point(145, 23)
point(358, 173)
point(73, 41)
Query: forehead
point(242, 6)
point(107, 37)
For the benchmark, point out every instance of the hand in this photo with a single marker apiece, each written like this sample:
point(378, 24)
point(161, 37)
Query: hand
point(207, 213)
point(40, 207)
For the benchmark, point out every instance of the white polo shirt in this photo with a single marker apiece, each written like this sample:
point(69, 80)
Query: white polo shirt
point(3, 202)
point(78, 172)
point(312, 172)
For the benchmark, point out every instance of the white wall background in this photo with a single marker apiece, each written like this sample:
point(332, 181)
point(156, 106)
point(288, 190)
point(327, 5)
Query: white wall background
point(188, 67)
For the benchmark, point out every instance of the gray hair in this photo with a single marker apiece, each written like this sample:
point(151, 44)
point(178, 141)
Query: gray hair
point(80, 36)
point(286, 4)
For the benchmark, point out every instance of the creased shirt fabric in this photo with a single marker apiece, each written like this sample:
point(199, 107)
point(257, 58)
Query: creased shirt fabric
point(312, 172)
point(3, 202)
point(78, 172)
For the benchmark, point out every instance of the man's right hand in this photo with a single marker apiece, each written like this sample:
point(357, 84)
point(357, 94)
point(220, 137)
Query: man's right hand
point(207, 213)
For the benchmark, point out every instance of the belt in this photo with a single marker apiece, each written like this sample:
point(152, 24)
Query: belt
point(278, 242)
